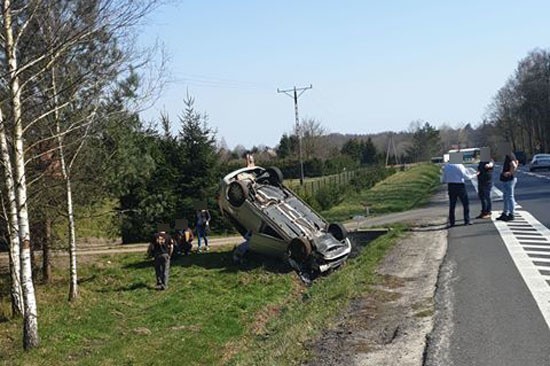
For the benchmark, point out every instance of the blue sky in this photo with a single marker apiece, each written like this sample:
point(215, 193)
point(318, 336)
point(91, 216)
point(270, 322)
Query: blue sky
point(375, 66)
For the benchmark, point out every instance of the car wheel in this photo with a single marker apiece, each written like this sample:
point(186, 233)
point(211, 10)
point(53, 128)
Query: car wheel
point(275, 175)
point(237, 193)
point(299, 250)
point(338, 231)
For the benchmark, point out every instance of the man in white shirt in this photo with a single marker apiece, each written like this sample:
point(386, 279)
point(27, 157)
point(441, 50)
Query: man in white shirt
point(455, 174)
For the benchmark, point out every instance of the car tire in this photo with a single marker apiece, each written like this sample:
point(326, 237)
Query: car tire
point(275, 176)
point(237, 193)
point(299, 250)
point(338, 231)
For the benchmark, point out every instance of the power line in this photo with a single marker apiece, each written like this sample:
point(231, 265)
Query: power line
point(216, 82)
point(295, 96)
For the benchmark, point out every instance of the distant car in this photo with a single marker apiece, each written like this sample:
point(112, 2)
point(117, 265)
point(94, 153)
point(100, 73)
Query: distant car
point(276, 222)
point(539, 161)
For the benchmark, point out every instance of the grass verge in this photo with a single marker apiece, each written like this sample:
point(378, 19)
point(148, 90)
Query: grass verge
point(399, 192)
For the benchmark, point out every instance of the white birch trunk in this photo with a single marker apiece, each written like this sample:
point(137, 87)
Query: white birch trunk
point(73, 283)
point(16, 291)
point(30, 317)
point(73, 286)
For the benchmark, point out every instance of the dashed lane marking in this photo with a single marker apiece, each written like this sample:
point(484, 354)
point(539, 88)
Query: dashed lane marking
point(528, 242)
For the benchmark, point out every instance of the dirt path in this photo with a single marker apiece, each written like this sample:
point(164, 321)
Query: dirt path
point(100, 248)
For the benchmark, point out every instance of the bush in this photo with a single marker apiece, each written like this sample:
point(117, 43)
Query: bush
point(365, 179)
point(329, 195)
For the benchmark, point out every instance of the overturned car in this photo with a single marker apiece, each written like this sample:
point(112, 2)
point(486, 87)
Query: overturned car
point(274, 221)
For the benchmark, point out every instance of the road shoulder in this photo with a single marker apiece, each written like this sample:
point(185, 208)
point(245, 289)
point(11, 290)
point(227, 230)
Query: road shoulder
point(390, 325)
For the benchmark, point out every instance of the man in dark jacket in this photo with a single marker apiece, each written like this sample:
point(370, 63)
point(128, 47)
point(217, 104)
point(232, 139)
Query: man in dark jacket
point(202, 226)
point(485, 183)
point(160, 249)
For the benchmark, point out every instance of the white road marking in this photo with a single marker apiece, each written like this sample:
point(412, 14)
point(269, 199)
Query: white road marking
point(537, 175)
point(529, 267)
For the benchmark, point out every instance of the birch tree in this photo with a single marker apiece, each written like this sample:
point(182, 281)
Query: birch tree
point(10, 37)
point(78, 79)
point(12, 224)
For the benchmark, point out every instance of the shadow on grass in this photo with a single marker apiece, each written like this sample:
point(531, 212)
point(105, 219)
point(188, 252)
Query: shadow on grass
point(87, 279)
point(130, 287)
point(221, 260)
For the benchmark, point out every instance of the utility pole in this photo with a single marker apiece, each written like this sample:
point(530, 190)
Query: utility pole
point(295, 95)
point(391, 145)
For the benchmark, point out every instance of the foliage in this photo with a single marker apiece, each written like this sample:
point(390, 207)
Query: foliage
point(352, 148)
point(521, 108)
point(425, 143)
point(288, 146)
point(361, 151)
point(366, 179)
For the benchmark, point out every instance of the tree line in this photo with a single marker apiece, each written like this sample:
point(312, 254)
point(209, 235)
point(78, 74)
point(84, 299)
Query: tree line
point(520, 110)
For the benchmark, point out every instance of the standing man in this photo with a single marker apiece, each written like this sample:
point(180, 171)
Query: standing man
point(455, 174)
point(160, 249)
point(485, 183)
point(203, 226)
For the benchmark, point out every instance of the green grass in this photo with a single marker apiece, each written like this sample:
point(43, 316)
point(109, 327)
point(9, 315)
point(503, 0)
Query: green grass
point(209, 303)
point(402, 191)
point(213, 313)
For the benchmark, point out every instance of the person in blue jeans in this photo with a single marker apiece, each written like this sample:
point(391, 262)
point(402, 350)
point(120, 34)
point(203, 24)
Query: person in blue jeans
point(508, 179)
point(202, 226)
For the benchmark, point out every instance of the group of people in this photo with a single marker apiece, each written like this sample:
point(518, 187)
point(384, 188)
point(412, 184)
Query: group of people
point(455, 175)
point(163, 246)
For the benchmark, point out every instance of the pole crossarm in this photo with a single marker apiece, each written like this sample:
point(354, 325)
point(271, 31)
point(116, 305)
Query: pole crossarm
point(295, 89)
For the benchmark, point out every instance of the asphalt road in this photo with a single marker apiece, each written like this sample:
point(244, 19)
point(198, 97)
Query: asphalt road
point(492, 300)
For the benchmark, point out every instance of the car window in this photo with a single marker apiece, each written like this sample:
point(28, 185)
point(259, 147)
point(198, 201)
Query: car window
point(268, 230)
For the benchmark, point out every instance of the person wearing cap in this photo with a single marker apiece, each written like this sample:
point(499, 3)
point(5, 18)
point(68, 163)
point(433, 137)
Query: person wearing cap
point(160, 249)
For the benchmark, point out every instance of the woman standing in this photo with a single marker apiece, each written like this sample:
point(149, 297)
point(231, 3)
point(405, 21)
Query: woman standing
point(507, 177)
